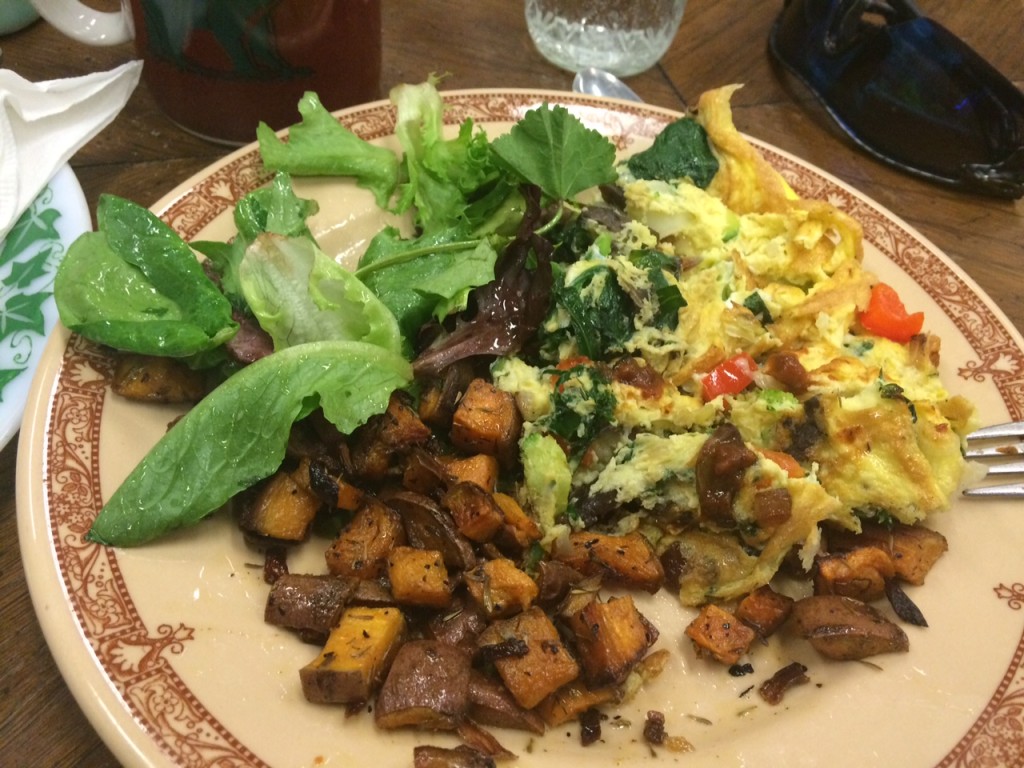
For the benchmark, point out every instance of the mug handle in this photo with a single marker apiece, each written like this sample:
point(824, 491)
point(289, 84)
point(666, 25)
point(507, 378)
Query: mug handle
point(86, 24)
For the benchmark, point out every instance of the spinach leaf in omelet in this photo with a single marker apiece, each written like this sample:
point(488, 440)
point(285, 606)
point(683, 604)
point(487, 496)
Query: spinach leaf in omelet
point(582, 405)
point(680, 151)
point(667, 295)
point(600, 313)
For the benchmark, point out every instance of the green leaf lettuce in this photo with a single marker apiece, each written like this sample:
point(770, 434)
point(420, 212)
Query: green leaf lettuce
point(321, 146)
point(299, 294)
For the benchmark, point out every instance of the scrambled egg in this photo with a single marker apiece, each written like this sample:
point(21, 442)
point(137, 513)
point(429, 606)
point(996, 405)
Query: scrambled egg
point(841, 424)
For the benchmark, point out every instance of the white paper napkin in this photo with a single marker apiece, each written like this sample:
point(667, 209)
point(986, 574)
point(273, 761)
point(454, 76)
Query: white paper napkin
point(43, 124)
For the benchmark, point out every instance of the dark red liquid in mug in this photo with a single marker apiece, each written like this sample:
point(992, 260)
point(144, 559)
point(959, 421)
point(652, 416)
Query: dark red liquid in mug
point(219, 67)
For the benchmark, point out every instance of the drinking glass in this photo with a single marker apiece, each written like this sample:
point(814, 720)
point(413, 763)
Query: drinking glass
point(623, 37)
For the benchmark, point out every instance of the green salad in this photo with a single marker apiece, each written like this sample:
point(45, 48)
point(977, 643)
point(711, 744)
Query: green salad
point(136, 286)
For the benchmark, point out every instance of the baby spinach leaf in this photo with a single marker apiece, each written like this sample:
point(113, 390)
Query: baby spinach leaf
point(755, 303)
point(237, 434)
point(425, 276)
point(551, 148)
point(135, 285)
point(582, 405)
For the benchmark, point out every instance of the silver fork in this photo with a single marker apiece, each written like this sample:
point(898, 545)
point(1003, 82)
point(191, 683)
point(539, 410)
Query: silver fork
point(1001, 448)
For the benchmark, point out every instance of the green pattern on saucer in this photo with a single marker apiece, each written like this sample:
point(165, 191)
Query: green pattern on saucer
point(28, 261)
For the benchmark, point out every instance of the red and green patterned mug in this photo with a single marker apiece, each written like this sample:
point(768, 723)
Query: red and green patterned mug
point(218, 67)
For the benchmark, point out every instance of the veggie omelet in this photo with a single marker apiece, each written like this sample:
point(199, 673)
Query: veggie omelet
point(707, 375)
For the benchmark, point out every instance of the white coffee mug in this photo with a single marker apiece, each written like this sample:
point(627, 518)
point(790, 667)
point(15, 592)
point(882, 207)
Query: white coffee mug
point(87, 24)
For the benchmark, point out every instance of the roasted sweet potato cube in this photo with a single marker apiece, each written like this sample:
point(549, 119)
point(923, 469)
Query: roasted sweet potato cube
point(719, 634)
point(499, 588)
point(914, 549)
point(426, 687)
point(155, 379)
point(356, 656)
point(544, 666)
point(611, 637)
point(843, 628)
point(629, 561)
point(329, 484)
point(487, 420)
point(764, 610)
point(474, 510)
point(570, 701)
point(419, 577)
point(362, 548)
point(860, 573)
point(377, 445)
point(481, 469)
point(282, 509)
point(432, 408)
point(521, 527)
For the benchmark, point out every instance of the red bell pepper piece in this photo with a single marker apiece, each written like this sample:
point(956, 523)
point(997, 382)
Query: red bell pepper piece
point(785, 461)
point(729, 377)
point(887, 317)
point(568, 364)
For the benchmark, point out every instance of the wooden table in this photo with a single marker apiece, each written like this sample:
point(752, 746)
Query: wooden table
point(484, 43)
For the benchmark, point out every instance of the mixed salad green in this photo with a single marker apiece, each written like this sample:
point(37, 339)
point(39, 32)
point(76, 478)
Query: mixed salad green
point(476, 278)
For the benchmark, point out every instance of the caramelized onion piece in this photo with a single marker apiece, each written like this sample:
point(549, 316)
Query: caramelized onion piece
point(721, 462)
point(774, 688)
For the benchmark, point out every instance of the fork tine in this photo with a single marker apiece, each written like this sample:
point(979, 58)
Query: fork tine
point(1009, 429)
point(1006, 468)
point(995, 452)
point(1012, 435)
point(1010, 491)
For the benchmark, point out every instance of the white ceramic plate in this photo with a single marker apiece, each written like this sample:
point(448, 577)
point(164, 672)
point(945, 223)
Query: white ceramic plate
point(29, 256)
point(166, 650)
